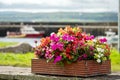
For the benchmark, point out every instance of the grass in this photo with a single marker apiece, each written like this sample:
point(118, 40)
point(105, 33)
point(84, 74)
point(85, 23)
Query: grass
point(23, 60)
point(115, 60)
point(5, 44)
point(13, 59)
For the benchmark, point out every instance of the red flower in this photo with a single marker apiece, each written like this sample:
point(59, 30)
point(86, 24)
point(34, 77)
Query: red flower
point(68, 50)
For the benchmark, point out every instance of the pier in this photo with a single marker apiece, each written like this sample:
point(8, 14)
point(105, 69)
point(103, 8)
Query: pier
point(95, 28)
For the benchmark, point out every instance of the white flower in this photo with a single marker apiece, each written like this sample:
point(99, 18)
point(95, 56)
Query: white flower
point(94, 40)
point(101, 55)
point(98, 60)
point(98, 56)
point(52, 33)
point(98, 49)
point(102, 50)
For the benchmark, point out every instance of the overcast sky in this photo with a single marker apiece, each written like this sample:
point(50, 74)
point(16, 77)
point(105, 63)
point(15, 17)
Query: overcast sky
point(59, 5)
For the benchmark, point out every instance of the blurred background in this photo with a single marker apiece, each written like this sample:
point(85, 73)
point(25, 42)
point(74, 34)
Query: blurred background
point(29, 20)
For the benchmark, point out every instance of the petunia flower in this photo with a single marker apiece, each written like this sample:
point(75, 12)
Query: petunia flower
point(54, 37)
point(57, 59)
point(84, 56)
point(68, 37)
point(98, 60)
point(89, 37)
point(48, 54)
point(44, 41)
point(102, 40)
point(58, 45)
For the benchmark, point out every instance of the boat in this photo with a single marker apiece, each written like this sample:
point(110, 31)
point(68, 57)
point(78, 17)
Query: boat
point(26, 32)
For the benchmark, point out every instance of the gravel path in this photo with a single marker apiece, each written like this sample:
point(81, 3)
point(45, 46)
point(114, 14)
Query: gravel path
point(9, 70)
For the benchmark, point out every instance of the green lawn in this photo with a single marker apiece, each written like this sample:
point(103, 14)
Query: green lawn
point(5, 44)
point(16, 59)
point(115, 60)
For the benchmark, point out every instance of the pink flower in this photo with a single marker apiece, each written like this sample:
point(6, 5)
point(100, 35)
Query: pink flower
point(91, 48)
point(58, 45)
point(84, 56)
point(48, 54)
point(54, 37)
point(53, 46)
point(57, 59)
point(68, 37)
point(102, 40)
point(89, 37)
point(92, 37)
point(81, 43)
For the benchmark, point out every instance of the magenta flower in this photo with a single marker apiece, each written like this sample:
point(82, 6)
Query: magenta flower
point(53, 46)
point(102, 40)
point(58, 45)
point(84, 56)
point(57, 59)
point(89, 37)
point(92, 37)
point(54, 37)
point(68, 37)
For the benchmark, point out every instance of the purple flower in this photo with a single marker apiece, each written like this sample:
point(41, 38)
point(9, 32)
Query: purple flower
point(53, 46)
point(68, 37)
point(102, 40)
point(54, 37)
point(92, 37)
point(89, 37)
point(80, 58)
point(57, 59)
point(84, 56)
point(58, 45)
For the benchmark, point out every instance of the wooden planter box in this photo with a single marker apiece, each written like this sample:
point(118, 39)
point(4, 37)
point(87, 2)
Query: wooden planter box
point(84, 68)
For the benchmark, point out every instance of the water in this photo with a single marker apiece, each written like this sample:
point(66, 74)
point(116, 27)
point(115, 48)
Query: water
point(20, 40)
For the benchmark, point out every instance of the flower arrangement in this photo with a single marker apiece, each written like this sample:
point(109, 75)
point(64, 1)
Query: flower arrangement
point(71, 45)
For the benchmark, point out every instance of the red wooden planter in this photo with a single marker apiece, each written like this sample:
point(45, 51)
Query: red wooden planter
point(84, 68)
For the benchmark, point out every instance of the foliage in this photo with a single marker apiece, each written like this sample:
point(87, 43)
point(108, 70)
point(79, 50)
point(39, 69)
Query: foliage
point(70, 45)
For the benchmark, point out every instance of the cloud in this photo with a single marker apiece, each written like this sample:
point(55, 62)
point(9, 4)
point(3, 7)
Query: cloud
point(80, 5)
